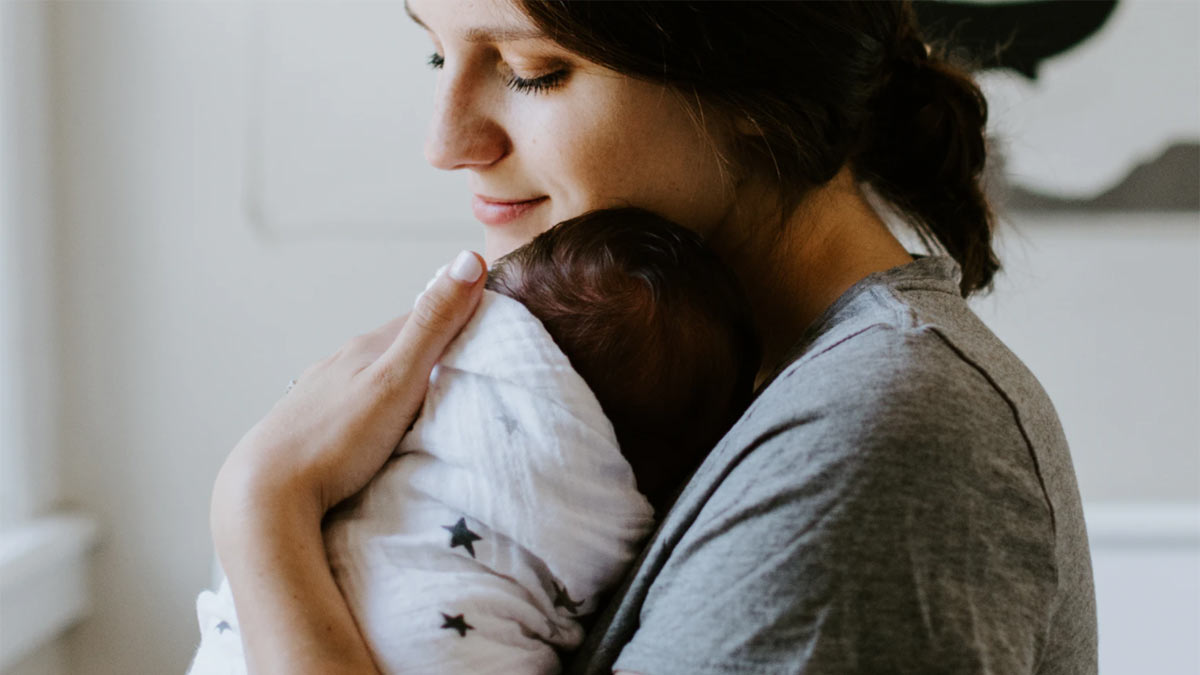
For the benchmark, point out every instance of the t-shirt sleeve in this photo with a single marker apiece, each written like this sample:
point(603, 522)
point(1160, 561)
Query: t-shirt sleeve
point(898, 528)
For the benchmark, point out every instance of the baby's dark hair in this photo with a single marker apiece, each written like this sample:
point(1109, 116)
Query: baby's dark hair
point(656, 325)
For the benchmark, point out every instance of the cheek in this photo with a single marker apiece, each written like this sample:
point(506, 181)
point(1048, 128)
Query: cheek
point(647, 153)
point(612, 141)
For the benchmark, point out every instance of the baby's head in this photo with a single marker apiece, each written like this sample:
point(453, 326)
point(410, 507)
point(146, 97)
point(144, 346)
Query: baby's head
point(654, 323)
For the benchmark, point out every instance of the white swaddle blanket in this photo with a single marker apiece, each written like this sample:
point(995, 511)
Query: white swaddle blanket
point(505, 511)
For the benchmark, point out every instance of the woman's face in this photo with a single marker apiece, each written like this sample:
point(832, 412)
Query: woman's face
point(546, 135)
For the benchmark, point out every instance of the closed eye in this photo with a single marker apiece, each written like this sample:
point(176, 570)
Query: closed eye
point(531, 85)
point(537, 85)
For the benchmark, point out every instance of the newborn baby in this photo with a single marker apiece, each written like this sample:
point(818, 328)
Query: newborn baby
point(606, 358)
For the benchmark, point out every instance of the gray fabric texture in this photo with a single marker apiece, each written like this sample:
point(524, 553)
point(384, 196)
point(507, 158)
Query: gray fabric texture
point(898, 499)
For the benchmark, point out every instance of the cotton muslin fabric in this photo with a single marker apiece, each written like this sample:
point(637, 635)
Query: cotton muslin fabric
point(506, 510)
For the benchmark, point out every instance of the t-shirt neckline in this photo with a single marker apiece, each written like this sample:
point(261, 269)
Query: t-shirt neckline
point(935, 273)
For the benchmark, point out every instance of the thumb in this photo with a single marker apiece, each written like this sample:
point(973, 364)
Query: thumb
point(438, 316)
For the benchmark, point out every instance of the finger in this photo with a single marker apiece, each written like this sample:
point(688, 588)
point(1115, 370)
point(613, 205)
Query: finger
point(440, 313)
point(377, 341)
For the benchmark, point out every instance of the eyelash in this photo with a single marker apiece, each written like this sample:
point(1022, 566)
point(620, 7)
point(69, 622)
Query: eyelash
point(534, 85)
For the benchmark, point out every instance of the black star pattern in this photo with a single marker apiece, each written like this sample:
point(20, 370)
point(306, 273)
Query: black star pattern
point(223, 626)
point(563, 599)
point(460, 535)
point(457, 623)
point(510, 425)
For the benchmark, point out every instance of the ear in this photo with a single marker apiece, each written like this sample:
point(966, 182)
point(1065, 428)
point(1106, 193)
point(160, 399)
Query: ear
point(745, 125)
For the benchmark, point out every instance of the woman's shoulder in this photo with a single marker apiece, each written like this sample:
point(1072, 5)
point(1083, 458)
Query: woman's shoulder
point(903, 452)
point(905, 341)
point(904, 417)
point(901, 382)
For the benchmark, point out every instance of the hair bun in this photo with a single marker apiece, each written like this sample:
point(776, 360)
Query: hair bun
point(945, 117)
point(910, 48)
point(927, 151)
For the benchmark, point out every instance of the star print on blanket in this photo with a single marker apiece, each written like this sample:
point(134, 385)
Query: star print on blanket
point(457, 623)
point(461, 535)
point(510, 425)
point(563, 599)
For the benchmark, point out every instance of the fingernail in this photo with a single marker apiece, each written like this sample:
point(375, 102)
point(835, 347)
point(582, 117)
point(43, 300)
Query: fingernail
point(466, 267)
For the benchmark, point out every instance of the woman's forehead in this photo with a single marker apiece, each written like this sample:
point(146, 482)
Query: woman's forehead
point(492, 21)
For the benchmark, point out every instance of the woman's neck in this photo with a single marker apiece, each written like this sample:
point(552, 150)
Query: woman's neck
point(793, 272)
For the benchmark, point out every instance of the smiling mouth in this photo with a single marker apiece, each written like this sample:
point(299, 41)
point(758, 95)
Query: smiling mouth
point(498, 212)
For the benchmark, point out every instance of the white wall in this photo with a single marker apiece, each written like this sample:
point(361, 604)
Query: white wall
point(1105, 310)
point(182, 321)
point(182, 318)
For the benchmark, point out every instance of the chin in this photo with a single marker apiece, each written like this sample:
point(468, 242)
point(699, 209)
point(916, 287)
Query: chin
point(497, 244)
point(497, 247)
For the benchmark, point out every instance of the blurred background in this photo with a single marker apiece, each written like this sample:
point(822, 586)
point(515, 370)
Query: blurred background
point(198, 199)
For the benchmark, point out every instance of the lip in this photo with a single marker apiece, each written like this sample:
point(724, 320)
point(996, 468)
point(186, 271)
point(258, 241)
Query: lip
point(491, 211)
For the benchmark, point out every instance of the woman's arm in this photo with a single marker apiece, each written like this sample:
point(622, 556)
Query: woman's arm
point(320, 444)
point(292, 616)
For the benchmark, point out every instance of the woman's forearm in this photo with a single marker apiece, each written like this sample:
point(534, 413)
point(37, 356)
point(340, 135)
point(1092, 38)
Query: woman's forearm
point(292, 617)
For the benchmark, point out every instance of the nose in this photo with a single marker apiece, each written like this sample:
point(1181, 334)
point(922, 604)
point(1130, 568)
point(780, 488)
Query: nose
point(464, 133)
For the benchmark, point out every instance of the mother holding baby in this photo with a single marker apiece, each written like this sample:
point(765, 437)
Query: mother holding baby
point(899, 497)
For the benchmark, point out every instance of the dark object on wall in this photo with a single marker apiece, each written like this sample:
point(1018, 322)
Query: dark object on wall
point(1014, 35)
point(1022, 36)
point(1169, 182)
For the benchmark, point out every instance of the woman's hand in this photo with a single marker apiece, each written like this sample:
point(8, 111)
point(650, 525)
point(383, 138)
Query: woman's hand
point(321, 443)
point(331, 433)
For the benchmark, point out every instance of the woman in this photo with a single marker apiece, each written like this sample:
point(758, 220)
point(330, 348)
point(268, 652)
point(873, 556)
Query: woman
point(899, 497)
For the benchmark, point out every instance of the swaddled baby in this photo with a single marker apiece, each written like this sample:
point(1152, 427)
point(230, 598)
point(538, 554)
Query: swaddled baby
point(606, 358)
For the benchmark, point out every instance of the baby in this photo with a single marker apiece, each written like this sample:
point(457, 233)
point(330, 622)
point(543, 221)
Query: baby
point(606, 358)
point(654, 323)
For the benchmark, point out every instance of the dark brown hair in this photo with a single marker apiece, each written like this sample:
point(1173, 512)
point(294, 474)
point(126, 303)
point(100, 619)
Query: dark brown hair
point(825, 84)
point(654, 323)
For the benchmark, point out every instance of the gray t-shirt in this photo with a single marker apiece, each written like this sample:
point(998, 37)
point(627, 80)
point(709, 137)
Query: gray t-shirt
point(899, 498)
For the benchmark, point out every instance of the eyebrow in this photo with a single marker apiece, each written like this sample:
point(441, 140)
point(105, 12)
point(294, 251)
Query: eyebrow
point(486, 33)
